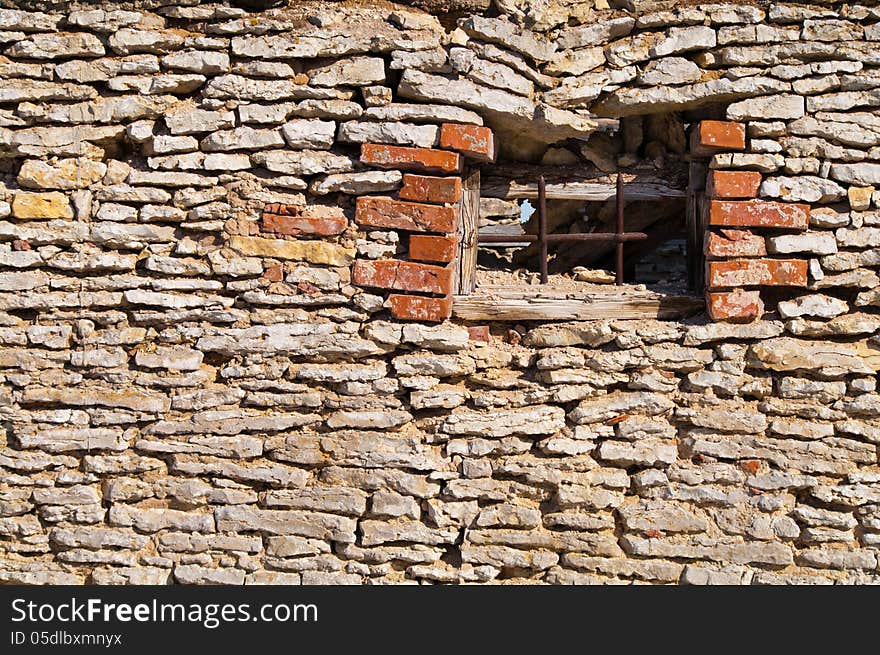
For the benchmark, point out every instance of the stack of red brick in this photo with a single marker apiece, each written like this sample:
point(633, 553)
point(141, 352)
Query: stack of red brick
point(427, 210)
point(737, 223)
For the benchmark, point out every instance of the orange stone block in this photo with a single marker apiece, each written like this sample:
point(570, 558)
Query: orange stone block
point(378, 211)
point(733, 184)
point(402, 276)
point(758, 213)
point(472, 141)
point(709, 137)
point(426, 248)
point(735, 243)
point(735, 306)
point(410, 159)
point(423, 188)
point(757, 272)
point(419, 308)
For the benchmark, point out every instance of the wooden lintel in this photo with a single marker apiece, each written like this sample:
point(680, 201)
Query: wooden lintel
point(585, 191)
point(537, 306)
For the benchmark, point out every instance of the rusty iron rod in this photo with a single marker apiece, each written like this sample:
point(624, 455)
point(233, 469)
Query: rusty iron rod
point(551, 238)
point(542, 228)
point(619, 258)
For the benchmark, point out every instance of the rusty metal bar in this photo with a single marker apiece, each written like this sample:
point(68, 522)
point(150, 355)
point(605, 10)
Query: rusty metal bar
point(542, 229)
point(618, 273)
point(576, 236)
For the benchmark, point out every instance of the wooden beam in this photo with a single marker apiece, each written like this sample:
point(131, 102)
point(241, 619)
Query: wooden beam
point(585, 191)
point(696, 224)
point(517, 304)
point(511, 230)
point(465, 278)
point(508, 230)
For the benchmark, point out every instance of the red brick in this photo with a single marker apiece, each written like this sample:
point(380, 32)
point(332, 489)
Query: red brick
point(479, 333)
point(419, 308)
point(410, 159)
point(472, 141)
point(376, 211)
point(620, 418)
point(282, 209)
point(274, 273)
point(735, 306)
point(422, 188)
point(425, 248)
point(735, 243)
point(756, 272)
point(758, 213)
point(709, 137)
point(733, 184)
point(402, 276)
point(304, 225)
point(750, 466)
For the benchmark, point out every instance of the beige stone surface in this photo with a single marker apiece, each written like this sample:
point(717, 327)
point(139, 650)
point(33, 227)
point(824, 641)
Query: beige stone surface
point(189, 395)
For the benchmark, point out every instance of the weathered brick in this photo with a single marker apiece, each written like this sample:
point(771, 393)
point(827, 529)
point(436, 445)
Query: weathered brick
point(304, 225)
point(709, 137)
point(735, 243)
point(737, 306)
point(472, 141)
point(419, 308)
point(758, 213)
point(410, 159)
point(733, 184)
point(402, 276)
point(385, 212)
point(423, 188)
point(282, 209)
point(274, 273)
point(479, 333)
point(755, 272)
point(426, 248)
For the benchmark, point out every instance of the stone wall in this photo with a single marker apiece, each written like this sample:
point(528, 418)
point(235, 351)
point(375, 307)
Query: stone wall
point(208, 216)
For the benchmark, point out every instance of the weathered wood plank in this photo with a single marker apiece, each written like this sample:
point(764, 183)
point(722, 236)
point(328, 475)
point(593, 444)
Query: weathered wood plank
point(696, 224)
point(465, 278)
point(582, 183)
point(585, 191)
point(509, 230)
point(504, 305)
point(506, 229)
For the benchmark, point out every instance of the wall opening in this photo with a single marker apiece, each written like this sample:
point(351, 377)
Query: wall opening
point(650, 155)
